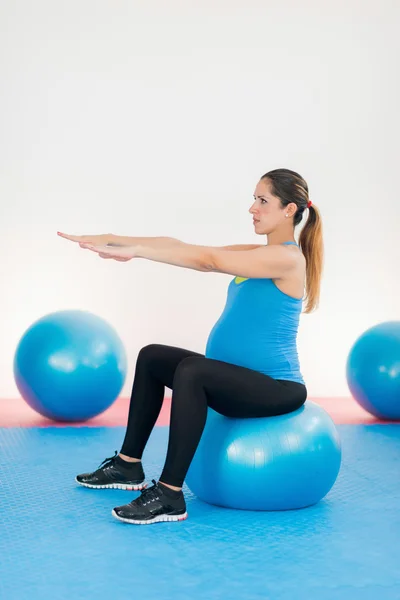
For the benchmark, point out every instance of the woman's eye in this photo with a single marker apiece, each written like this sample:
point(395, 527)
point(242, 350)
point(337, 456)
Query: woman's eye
point(263, 201)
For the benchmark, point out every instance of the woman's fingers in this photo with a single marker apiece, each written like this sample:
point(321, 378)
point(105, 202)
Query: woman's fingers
point(72, 238)
point(102, 251)
point(105, 252)
point(107, 256)
point(98, 249)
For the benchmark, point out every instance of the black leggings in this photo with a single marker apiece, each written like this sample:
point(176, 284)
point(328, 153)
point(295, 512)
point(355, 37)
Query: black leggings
point(197, 382)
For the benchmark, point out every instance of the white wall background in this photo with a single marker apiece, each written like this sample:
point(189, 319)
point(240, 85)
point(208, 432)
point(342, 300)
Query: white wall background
point(158, 118)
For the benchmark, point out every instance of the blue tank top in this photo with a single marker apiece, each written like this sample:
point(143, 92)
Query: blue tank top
point(258, 329)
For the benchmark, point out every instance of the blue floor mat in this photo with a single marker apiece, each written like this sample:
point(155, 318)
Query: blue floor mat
point(59, 541)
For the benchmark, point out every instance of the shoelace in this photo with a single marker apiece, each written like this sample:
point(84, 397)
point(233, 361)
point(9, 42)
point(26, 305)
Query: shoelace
point(148, 495)
point(108, 461)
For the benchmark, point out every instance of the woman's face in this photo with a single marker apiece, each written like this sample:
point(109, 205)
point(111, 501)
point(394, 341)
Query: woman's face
point(267, 210)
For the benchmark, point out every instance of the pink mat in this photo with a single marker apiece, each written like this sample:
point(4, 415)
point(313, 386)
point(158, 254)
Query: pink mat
point(16, 413)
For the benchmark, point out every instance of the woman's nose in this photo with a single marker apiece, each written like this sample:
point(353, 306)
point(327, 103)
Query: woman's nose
point(252, 209)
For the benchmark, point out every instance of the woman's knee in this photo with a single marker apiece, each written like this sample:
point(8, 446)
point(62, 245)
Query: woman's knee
point(150, 353)
point(189, 368)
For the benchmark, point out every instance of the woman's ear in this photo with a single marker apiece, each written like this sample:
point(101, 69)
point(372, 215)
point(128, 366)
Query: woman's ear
point(291, 209)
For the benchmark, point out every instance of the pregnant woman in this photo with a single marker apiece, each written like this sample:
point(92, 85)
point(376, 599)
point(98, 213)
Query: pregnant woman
point(250, 367)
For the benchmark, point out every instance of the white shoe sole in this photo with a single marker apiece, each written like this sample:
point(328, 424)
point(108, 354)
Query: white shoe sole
point(115, 486)
point(159, 519)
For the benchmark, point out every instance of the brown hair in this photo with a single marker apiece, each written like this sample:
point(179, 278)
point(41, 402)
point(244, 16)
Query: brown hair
point(290, 187)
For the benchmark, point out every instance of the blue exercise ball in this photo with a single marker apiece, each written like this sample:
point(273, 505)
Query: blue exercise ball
point(373, 370)
point(70, 365)
point(275, 463)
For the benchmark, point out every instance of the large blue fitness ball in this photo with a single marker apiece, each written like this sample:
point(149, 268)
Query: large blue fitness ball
point(373, 370)
point(70, 365)
point(275, 463)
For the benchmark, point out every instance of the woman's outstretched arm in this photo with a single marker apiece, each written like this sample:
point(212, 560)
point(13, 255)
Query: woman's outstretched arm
point(263, 262)
point(110, 239)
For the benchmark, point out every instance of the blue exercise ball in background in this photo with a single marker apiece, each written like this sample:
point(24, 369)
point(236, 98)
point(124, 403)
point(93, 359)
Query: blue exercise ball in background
point(373, 370)
point(273, 463)
point(70, 365)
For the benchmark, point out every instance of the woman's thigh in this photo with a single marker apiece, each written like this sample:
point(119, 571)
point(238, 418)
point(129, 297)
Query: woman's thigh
point(239, 392)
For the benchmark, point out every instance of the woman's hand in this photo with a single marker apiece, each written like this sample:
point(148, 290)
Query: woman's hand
point(95, 240)
point(121, 254)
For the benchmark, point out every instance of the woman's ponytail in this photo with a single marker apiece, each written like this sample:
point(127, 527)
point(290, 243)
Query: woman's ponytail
point(311, 244)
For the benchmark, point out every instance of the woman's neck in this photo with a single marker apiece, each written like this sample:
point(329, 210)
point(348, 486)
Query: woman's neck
point(279, 238)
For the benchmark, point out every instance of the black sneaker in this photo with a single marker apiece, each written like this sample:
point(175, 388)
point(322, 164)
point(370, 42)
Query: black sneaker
point(157, 503)
point(111, 474)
